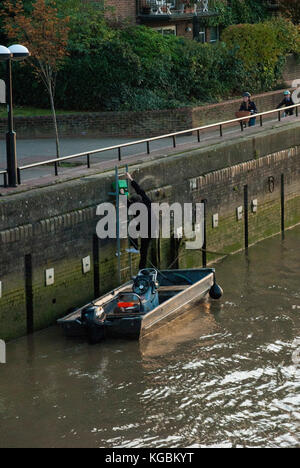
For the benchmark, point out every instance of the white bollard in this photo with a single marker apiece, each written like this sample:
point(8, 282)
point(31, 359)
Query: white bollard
point(2, 352)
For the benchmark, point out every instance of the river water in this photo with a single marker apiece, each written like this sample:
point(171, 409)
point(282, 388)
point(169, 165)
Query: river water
point(224, 375)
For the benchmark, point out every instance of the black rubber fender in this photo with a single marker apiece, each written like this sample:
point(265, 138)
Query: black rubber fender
point(216, 292)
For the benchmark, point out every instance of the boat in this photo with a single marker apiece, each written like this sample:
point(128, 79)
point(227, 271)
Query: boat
point(147, 302)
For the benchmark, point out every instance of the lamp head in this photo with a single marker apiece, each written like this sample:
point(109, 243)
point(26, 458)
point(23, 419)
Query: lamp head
point(19, 52)
point(5, 53)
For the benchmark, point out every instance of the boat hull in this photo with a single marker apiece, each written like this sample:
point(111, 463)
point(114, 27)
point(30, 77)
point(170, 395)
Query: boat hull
point(172, 308)
point(173, 297)
point(126, 328)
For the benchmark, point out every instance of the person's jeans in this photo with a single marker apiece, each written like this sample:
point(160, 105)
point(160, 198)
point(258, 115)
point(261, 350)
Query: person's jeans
point(145, 244)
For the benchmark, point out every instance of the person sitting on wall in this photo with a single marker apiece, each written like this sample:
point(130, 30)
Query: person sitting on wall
point(249, 106)
point(287, 101)
point(141, 197)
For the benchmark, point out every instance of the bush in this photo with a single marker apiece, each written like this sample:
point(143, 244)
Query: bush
point(135, 68)
point(262, 49)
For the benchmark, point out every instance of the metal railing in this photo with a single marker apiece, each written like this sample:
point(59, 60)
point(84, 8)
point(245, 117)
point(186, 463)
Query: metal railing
point(198, 130)
point(174, 7)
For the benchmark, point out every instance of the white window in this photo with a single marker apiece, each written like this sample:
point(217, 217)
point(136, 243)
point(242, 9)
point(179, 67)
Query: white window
point(167, 30)
point(214, 34)
point(202, 35)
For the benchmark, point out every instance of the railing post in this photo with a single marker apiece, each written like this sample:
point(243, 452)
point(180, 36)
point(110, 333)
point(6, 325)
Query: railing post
point(19, 176)
point(119, 154)
point(5, 179)
point(198, 135)
point(279, 116)
point(261, 120)
point(221, 131)
point(56, 168)
point(297, 111)
point(88, 161)
point(148, 147)
point(174, 141)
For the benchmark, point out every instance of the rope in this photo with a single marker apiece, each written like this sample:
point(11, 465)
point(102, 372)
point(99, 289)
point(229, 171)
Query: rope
point(198, 251)
point(181, 255)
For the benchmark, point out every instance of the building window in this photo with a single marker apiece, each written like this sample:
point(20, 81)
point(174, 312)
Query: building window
point(214, 34)
point(167, 30)
point(201, 36)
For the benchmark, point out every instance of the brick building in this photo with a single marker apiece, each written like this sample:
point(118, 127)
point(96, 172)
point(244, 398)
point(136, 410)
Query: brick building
point(179, 17)
point(186, 18)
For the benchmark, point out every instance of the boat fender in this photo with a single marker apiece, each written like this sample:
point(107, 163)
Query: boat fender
point(216, 292)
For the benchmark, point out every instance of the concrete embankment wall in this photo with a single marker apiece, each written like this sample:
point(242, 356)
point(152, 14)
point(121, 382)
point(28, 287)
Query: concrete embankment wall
point(55, 226)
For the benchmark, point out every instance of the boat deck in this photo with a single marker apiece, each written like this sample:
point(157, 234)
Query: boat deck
point(164, 292)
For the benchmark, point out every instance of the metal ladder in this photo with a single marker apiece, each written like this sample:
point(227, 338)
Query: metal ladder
point(116, 195)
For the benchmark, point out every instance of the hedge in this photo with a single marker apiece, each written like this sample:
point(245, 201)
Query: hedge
point(135, 68)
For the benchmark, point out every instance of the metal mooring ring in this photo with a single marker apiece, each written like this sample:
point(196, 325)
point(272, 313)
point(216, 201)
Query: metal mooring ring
point(271, 182)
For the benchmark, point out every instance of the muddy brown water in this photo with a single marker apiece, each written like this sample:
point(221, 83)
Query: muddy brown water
point(226, 374)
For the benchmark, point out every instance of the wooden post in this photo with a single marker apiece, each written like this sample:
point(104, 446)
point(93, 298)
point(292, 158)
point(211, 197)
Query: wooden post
point(96, 266)
point(282, 204)
point(29, 294)
point(204, 254)
point(246, 216)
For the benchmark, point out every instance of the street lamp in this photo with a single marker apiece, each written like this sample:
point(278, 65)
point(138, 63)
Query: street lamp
point(17, 53)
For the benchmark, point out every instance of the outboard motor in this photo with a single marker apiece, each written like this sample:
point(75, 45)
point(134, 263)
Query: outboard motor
point(91, 313)
point(146, 286)
point(93, 317)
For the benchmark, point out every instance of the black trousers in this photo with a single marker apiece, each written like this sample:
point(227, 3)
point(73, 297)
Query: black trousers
point(145, 244)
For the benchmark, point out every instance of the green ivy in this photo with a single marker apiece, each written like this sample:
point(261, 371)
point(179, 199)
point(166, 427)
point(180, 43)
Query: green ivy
point(237, 11)
point(262, 49)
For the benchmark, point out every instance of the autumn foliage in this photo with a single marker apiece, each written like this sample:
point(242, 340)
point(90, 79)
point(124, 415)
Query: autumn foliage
point(291, 9)
point(43, 32)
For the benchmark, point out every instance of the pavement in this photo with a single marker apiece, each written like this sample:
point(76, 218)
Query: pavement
point(37, 150)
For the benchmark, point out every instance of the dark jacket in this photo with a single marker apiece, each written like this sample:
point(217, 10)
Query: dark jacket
point(286, 103)
point(251, 107)
point(147, 202)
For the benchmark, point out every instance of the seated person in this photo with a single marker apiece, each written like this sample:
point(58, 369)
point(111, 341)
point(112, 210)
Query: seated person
point(286, 102)
point(248, 105)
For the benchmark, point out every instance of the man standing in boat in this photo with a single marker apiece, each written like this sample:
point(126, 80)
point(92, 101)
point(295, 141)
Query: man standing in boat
point(141, 197)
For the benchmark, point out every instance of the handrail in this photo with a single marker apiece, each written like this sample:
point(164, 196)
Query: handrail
point(147, 141)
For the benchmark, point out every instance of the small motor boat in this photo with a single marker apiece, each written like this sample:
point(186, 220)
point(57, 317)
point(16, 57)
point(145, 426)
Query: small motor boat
point(150, 299)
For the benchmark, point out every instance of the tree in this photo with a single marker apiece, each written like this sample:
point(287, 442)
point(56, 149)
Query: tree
point(291, 9)
point(45, 33)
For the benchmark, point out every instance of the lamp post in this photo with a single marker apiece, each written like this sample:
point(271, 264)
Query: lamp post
point(17, 53)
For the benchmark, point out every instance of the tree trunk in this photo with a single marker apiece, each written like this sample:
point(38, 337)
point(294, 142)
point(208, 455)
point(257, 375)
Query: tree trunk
point(54, 121)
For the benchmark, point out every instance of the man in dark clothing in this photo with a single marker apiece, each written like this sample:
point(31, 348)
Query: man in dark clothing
point(248, 105)
point(141, 197)
point(287, 101)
